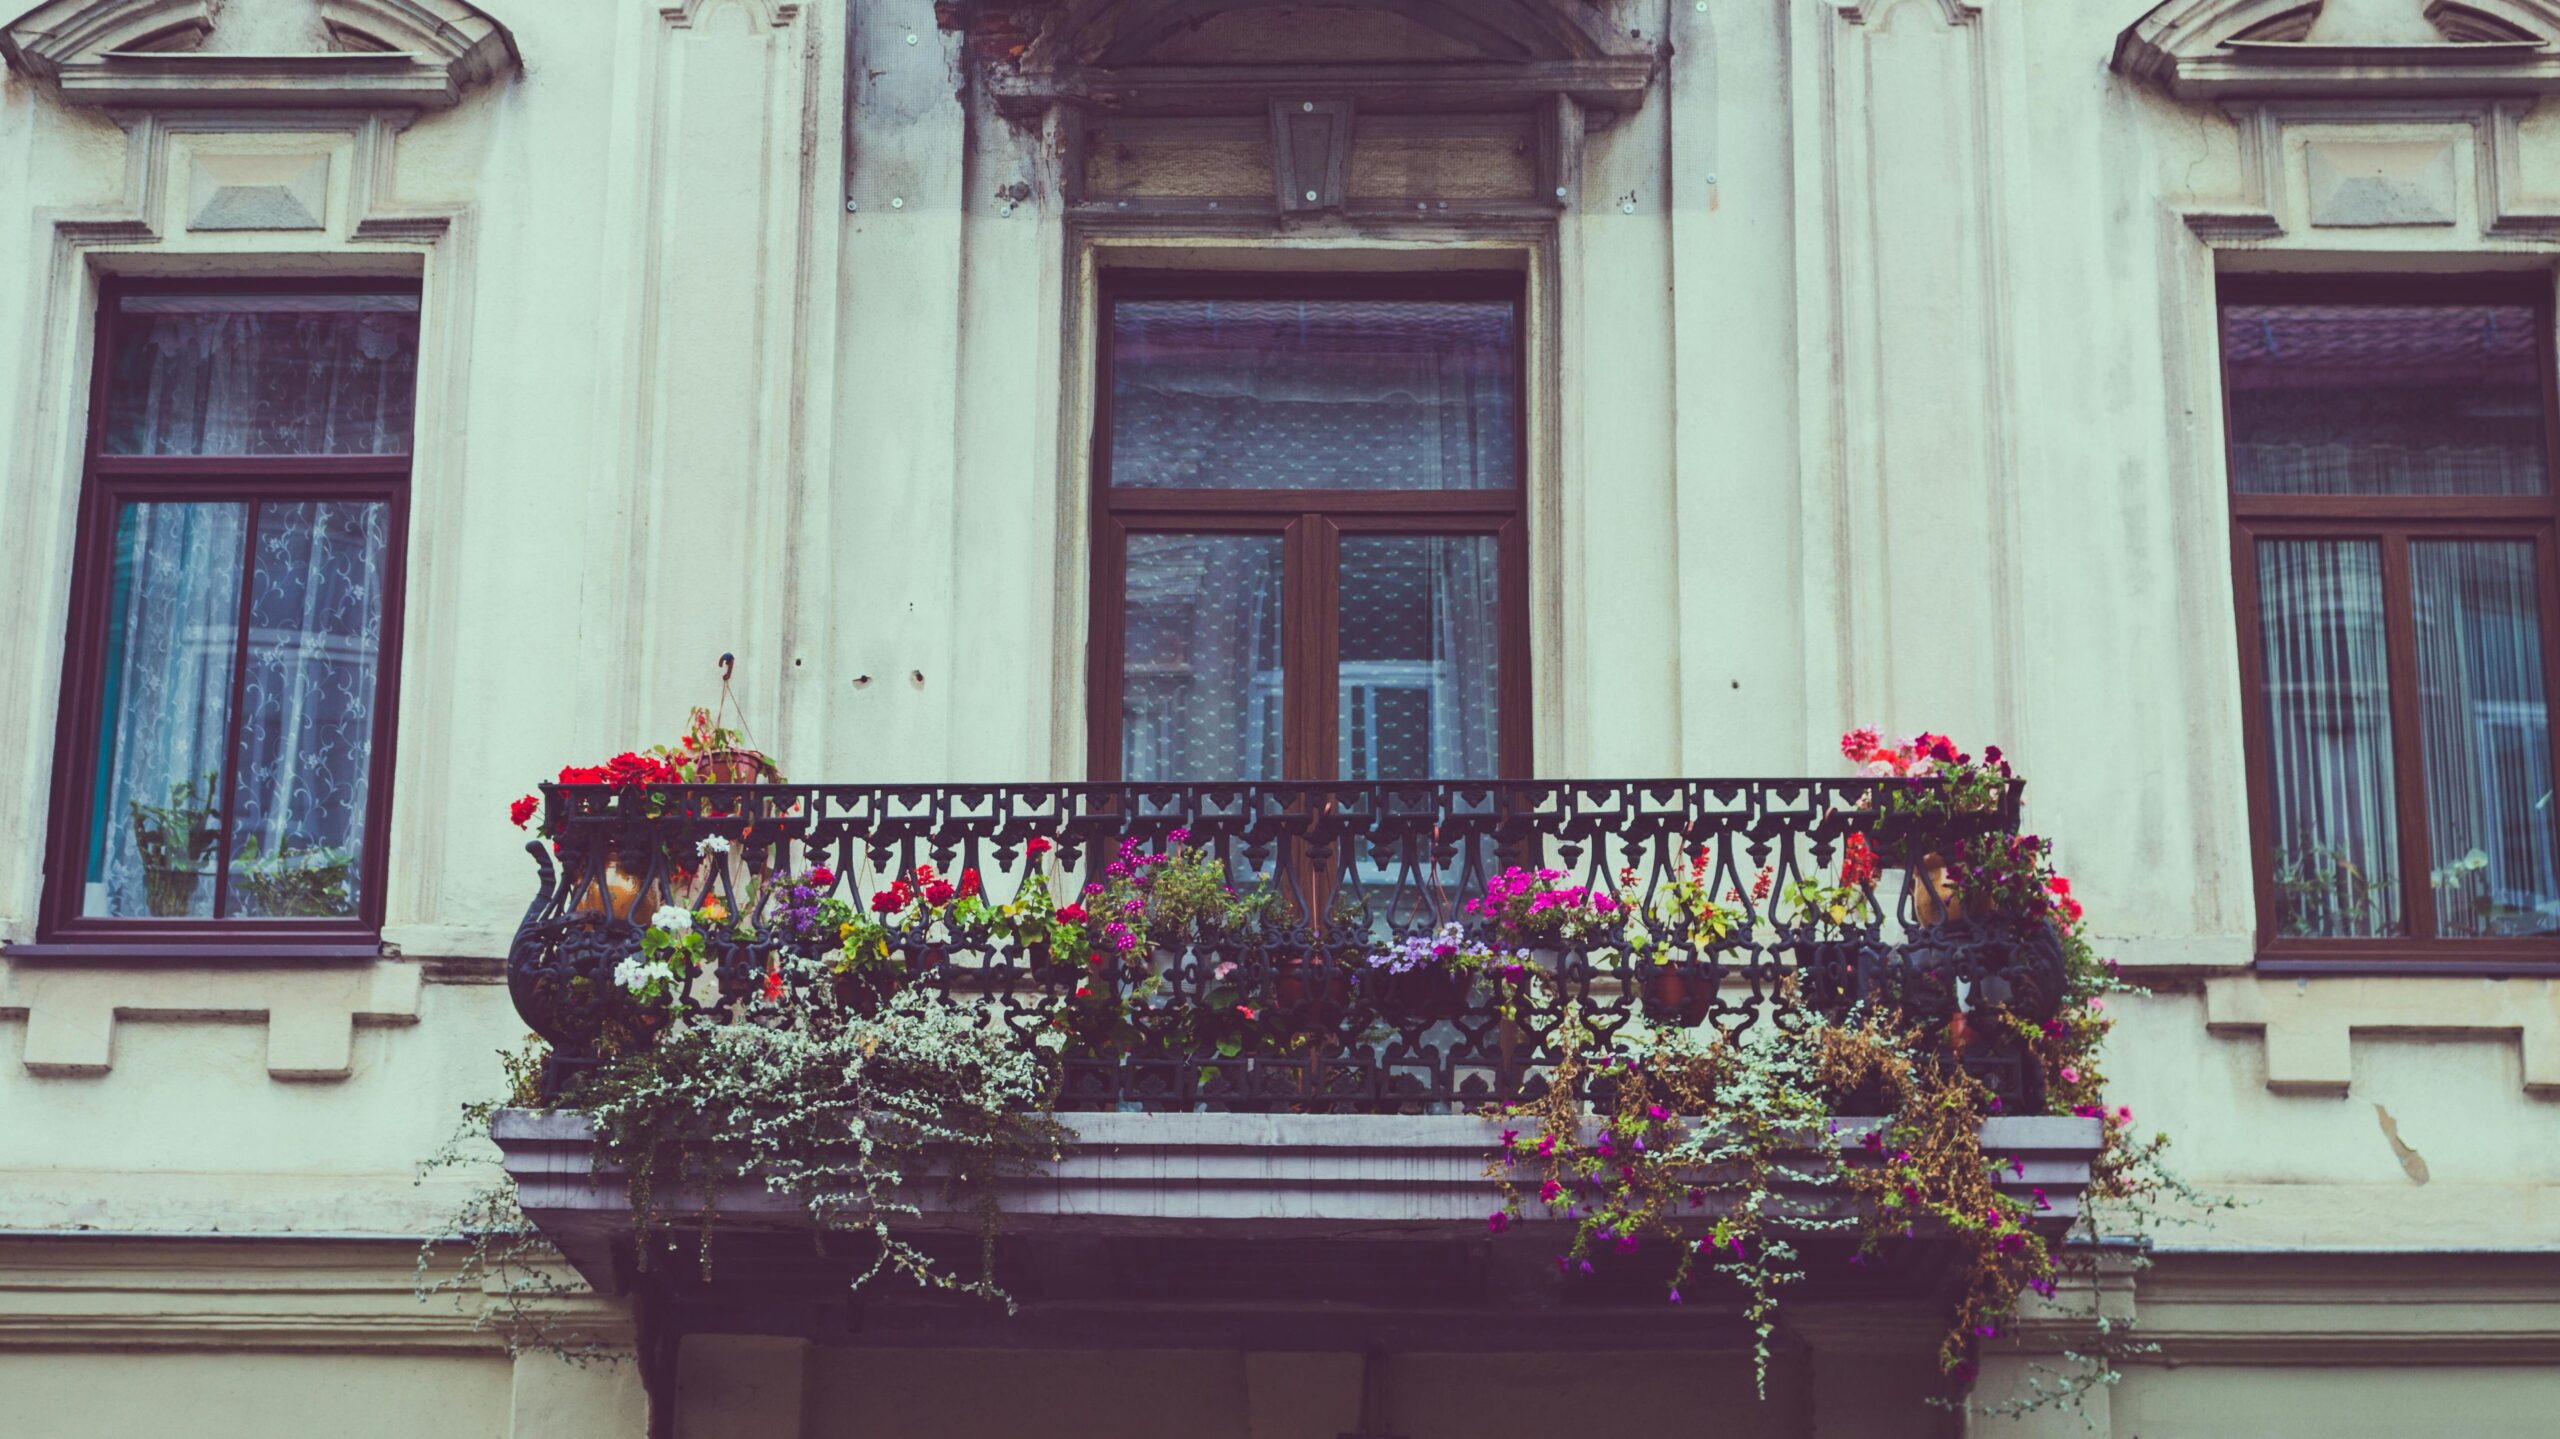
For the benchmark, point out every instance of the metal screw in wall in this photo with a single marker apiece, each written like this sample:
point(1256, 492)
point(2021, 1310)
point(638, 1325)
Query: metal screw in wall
point(897, 202)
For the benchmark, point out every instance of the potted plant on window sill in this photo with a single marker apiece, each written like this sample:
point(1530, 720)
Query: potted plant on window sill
point(175, 842)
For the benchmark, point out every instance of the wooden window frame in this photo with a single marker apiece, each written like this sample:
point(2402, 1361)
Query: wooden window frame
point(2392, 523)
point(1309, 523)
point(110, 481)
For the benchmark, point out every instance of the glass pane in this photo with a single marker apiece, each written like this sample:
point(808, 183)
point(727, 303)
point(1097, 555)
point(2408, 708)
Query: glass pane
point(2488, 737)
point(308, 708)
point(1421, 657)
point(262, 375)
point(1314, 394)
point(2384, 399)
point(172, 631)
point(2328, 698)
point(1200, 686)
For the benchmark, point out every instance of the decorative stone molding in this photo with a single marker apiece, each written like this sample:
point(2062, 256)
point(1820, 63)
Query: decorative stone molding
point(388, 54)
point(2308, 1023)
point(2342, 164)
point(310, 1013)
point(2228, 49)
point(1148, 99)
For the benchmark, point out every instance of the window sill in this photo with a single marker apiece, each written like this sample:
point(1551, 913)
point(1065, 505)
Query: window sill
point(2438, 959)
point(270, 949)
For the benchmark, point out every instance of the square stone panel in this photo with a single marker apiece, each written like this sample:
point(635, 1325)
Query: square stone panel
point(258, 192)
point(2367, 183)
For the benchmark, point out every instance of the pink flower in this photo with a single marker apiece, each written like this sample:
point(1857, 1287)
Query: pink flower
point(1860, 743)
point(2070, 1075)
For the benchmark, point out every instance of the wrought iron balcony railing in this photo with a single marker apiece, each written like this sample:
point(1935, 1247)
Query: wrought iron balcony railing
point(1269, 982)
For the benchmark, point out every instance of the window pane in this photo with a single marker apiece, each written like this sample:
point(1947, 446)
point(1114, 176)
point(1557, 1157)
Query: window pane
point(1200, 687)
point(1421, 657)
point(1314, 394)
point(2488, 737)
point(2328, 701)
point(2364, 399)
point(308, 707)
point(172, 629)
point(262, 375)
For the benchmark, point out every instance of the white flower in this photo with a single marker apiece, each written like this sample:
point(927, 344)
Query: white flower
point(710, 845)
point(672, 918)
point(632, 972)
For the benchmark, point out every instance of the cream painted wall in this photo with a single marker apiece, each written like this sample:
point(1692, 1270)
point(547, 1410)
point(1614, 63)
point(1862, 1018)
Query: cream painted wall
point(1882, 389)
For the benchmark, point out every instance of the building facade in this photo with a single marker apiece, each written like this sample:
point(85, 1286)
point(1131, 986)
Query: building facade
point(410, 395)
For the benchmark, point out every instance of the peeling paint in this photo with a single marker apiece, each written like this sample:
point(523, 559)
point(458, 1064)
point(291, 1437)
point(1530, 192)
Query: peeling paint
point(2412, 1163)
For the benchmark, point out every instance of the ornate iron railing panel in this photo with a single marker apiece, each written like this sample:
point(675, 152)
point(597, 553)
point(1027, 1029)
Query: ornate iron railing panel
point(1276, 1003)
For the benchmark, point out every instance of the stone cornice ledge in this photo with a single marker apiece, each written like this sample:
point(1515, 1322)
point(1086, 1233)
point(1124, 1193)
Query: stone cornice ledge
point(1338, 1176)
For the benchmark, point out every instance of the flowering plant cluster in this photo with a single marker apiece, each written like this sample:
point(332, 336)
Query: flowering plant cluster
point(1695, 1132)
point(628, 770)
point(1521, 907)
point(708, 752)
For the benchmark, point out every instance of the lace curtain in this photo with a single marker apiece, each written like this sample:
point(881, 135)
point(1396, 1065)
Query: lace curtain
point(235, 764)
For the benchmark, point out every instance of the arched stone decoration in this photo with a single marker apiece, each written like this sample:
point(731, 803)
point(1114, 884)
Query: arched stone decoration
point(384, 54)
point(2267, 49)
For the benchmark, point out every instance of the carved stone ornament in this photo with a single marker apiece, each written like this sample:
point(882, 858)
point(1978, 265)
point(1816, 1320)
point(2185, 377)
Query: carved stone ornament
point(2274, 49)
point(1279, 108)
point(379, 54)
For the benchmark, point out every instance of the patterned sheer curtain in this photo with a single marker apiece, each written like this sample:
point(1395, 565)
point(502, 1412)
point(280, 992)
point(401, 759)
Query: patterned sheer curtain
point(2487, 737)
point(235, 761)
point(2328, 698)
point(1421, 658)
point(1313, 395)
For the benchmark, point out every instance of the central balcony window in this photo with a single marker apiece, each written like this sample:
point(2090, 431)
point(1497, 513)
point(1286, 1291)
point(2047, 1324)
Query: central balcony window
point(1309, 522)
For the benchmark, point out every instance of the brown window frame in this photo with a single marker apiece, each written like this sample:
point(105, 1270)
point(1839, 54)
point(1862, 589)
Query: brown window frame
point(110, 481)
point(1310, 524)
point(2392, 522)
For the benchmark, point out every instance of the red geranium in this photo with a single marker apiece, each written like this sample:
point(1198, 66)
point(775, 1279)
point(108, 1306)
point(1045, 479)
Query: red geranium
point(522, 810)
point(1038, 846)
point(1072, 913)
point(938, 893)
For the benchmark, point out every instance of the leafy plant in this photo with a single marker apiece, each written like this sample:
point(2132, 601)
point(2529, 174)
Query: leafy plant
point(297, 882)
point(176, 841)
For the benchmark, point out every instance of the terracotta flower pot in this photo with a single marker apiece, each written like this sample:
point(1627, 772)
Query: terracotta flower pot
point(1678, 994)
point(616, 895)
point(730, 766)
point(1311, 993)
point(1933, 896)
point(865, 990)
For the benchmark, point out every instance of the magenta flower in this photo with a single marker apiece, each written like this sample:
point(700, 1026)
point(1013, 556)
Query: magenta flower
point(1497, 1221)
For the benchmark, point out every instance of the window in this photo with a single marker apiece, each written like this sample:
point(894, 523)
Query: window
point(223, 761)
point(2393, 512)
point(1309, 529)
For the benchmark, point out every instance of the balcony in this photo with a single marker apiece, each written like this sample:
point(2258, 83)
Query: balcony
point(1271, 1126)
point(1369, 862)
